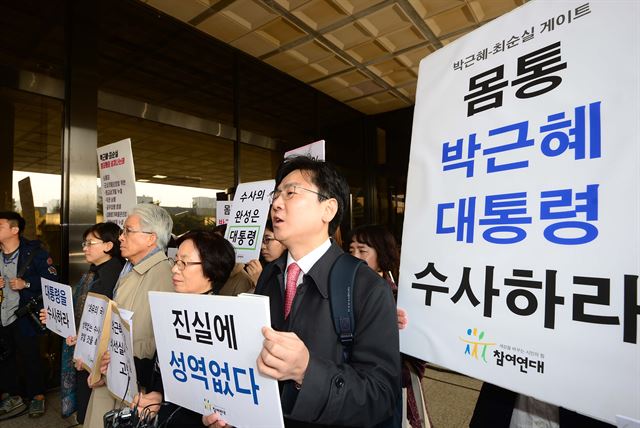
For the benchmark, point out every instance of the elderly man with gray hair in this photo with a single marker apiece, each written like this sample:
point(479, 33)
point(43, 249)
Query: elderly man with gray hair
point(143, 243)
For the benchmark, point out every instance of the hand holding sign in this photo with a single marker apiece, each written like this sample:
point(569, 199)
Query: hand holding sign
point(213, 421)
point(284, 356)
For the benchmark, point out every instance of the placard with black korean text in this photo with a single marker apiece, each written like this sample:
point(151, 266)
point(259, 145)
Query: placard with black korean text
point(249, 212)
point(95, 310)
point(117, 178)
point(58, 303)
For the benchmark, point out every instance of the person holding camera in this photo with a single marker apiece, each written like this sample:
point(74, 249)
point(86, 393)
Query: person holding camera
point(22, 264)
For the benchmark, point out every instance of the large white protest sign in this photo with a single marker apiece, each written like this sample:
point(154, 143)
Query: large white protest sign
point(91, 322)
point(314, 150)
point(207, 351)
point(118, 181)
point(121, 374)
point(58, 303)
point(521, 255)
point(223, 212)
point(249, 213)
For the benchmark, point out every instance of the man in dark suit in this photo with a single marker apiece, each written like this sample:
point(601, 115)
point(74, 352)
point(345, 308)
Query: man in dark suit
point(302, 350)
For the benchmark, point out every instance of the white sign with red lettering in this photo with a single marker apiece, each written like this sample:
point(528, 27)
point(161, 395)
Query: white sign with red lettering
point(118, 181)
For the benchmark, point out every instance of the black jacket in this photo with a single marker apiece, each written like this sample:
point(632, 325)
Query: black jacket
point(364, 391)
point(106, 276)
point(40, 265)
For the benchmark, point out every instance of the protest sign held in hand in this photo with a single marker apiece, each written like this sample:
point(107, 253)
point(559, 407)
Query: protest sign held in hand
point(249, 213)
point(121, 374)
point(207, 350)
point(95, 310)
point(58, 303)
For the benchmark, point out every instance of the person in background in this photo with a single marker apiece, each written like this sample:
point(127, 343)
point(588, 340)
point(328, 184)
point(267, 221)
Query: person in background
point(143, 243)
point(318, 385)
point(270, 250)
point(378, 248)
point(203, 264)
point(101, 248)
point(239, 281)
point(22, 264)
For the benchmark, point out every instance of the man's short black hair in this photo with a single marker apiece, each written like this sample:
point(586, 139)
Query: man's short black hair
point(14, 219)
point(325, 177)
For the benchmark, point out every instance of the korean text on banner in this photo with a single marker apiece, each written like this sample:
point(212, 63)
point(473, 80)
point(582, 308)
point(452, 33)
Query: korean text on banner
point(121, 374)
point(58, 303)
point(90, 330)
point(207, 350)
point(314, 150)
point(521, 230)
point(249, 213)
point(117, 177)
point(223, 212)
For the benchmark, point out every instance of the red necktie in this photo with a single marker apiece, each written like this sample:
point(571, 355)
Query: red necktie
point(290, 292)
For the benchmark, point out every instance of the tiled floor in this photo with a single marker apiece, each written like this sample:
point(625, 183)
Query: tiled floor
point(450, 399)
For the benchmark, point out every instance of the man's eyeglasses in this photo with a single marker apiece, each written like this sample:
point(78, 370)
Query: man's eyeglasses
point(288, 192)
point(182, 265)
point(126, 231)
point(89, 243)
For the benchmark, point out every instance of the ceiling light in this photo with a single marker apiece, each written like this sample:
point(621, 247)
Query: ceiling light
point(159, 176)
point(143, 180)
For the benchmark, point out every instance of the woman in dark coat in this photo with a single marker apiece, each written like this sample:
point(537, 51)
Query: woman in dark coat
point(101, 249)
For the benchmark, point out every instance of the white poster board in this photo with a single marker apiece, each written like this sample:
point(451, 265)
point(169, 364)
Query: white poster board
point(521, 255)
point(121, 374)
point(314, 150)
point(58, 303)
point(118, 181)
point(249, 213)
point(93, 315)
point(223, 212)
point(207, 350)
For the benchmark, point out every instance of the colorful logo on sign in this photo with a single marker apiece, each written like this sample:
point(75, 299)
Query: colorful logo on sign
point(474, 343)
point(209, 407)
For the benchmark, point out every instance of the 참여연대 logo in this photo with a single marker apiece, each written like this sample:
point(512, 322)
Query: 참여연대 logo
point(474, 343)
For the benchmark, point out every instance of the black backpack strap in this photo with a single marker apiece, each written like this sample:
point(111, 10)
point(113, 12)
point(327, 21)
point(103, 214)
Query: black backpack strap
point(341, 282)
point(26, 264)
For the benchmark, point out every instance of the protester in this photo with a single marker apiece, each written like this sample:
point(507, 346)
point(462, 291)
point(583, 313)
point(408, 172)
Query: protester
point(143, 242)
point(270, 250)
point(302, 351)
point(378, 248)
point(101, 248)
point(239, 281)
point(202, 265)
point(24, 262)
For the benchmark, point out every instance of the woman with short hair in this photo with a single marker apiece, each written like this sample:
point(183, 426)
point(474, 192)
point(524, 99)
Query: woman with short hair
point(202, 265)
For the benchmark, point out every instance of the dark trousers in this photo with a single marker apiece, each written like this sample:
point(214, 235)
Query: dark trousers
point(83, 394)
point(26, 349)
